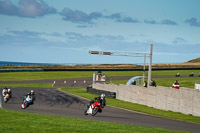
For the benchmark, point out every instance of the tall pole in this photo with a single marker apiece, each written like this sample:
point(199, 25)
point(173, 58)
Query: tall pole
point(150, 64)
point(144, 67)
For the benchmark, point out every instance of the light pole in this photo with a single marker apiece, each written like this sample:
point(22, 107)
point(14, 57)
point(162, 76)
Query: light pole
point(131, 54)
point(150, 64)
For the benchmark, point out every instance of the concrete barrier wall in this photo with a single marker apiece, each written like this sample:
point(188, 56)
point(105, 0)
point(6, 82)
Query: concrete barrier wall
point(184, 100)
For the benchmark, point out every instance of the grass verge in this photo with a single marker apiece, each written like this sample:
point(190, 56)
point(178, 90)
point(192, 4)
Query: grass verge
point(188, 82)
point(15, 122)
point(20, 76)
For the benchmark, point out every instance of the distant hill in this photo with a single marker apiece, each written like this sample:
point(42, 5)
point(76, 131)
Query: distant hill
point(197, 60)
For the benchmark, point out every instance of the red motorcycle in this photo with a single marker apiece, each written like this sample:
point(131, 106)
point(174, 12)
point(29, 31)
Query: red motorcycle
point(93, 109)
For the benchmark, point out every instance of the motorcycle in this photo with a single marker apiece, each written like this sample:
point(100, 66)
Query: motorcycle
point(93, 108)
point(6, 98)
point(26, 102)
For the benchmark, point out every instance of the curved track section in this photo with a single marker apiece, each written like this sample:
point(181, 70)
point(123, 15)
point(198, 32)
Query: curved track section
point(55, 102)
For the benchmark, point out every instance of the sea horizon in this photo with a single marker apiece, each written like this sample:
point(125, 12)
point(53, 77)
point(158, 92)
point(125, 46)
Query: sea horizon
point(4, 63)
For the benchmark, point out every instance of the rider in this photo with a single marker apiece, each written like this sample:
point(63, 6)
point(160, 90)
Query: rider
point(4, 91)
point(10, 93)
point(32, 94)
point(101, 99)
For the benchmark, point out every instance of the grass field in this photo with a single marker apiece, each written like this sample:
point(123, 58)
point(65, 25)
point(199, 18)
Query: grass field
point(16, 122)
point(188, 82)
point(20, 76)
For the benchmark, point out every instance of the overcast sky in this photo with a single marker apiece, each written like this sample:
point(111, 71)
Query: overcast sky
point(63, 31)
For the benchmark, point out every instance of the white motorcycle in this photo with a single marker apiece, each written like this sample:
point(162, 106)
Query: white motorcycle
point(26, 102)
point(6, 98)
point(7, 94)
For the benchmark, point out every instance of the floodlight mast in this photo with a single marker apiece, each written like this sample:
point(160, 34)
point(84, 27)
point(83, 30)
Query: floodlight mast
point(131, 54)
point(150, 64)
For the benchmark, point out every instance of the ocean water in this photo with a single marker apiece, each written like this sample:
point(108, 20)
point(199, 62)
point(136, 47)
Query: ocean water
point(4, 63)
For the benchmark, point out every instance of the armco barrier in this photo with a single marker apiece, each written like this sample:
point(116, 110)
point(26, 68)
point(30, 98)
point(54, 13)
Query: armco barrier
point(96, 91)
point(184, 100)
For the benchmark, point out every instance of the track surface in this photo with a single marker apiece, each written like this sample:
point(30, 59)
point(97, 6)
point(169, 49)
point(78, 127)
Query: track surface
point(55, 102)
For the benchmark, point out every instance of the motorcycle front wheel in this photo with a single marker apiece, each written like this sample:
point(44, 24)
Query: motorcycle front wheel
point(94, 112)
point(23, 106)
point(5, 100)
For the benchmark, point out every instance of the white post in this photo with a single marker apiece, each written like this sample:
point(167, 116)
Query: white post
point(144, 67)
point(94, 78)
point(150, 64)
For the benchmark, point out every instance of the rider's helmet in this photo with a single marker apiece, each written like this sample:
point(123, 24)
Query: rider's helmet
point(9, 90)
point(32, 92)
point(103, 96)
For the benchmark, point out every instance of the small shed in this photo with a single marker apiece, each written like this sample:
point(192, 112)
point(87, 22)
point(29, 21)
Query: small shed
point(99, 77)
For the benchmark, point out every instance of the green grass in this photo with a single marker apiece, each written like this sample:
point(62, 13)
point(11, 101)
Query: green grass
point(27, 85)
point(140, 73)
point(16, 122)
point(117, 103)
point(174, 72)
point(20, 76)
point(188, 82)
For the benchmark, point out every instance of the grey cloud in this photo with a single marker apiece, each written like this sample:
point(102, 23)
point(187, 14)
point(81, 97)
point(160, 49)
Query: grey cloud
point(165, 21)
point(55, 34)
point(33, 34)
point(26, 33)
point(150, 21)
point(168, 22)
point(95, 15)
point(12, 40)
point(7, 8)
point(114, 16)
point(179, 40)
point(108, 37)
point(77, 40)
point(119, 18)
point(76, 36)
point(128, 20)
point(79, 16)
point(193, 22)
point(26, 8)
point(82, 26)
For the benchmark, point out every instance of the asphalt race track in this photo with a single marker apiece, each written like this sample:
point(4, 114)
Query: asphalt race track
point(55, 102)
